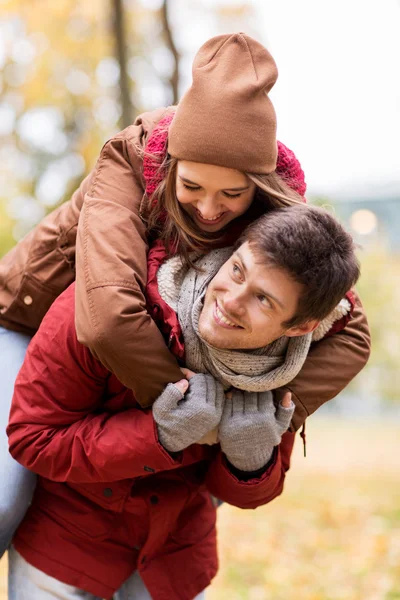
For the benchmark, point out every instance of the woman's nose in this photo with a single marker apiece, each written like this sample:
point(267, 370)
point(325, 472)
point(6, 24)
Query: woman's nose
point(208, 208)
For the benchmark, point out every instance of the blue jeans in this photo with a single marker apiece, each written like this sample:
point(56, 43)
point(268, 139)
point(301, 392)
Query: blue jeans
point(28, 583)
point(17, 484)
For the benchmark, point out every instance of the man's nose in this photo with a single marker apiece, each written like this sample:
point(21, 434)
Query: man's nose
point(235, 302)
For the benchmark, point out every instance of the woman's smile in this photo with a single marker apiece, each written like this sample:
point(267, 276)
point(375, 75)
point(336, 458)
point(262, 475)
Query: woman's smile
point(214, 221)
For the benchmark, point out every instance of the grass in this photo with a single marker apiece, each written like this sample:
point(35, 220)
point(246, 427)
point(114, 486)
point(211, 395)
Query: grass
point(334, 534)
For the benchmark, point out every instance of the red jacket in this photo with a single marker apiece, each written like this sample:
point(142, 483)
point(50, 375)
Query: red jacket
point(109, 498)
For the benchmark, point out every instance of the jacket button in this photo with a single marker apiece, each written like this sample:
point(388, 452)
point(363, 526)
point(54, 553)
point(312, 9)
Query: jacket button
point(107, 492)
point(28, 300)
point(154, 499)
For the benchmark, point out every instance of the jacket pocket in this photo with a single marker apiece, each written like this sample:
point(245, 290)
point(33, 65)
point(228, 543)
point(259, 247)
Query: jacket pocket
point(76, 513)
point(96, 524)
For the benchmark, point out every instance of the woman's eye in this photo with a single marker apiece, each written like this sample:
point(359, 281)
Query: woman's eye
point(232, 195)
point(190, 187)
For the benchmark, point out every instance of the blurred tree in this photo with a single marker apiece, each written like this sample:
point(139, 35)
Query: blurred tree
point(174, 77)
point(68, 83)
point(57, 102)
point(120, 44)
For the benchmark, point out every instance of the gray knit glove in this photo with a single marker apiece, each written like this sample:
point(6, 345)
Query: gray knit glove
point(183, 420)
point(251, 427)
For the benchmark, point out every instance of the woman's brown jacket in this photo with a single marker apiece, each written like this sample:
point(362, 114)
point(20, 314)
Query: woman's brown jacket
point(109, 250)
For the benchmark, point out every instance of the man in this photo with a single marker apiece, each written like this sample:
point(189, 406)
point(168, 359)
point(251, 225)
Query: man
point(123, 489)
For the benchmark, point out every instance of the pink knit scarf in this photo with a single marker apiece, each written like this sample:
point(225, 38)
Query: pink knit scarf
point(288, 167)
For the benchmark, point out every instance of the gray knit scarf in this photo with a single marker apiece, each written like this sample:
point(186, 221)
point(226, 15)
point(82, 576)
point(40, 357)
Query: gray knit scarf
point(263, 369)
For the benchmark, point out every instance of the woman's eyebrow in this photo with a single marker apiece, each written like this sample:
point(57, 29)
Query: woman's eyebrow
point(237, 189)
point(188, 180)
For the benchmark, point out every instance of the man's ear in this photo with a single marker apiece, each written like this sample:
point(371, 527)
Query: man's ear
point(302, 329)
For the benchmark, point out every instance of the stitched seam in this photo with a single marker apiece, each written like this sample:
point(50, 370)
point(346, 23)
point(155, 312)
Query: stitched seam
point(86, 273)
point(214, 55)
point(100, 284)
point(85, 242)
point(129, 139)
point(251, 56)
point(99, 168)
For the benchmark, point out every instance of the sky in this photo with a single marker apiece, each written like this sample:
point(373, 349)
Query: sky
point(338, 93)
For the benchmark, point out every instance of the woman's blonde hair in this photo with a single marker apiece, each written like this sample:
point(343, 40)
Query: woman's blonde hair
point(168, 221)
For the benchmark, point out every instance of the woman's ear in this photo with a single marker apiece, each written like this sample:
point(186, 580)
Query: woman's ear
point(302, 329)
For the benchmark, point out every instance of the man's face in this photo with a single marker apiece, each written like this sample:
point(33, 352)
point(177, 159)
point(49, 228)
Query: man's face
point(247, 302)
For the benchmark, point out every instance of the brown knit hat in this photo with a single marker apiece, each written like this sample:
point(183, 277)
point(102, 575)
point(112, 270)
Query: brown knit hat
point(226, 117)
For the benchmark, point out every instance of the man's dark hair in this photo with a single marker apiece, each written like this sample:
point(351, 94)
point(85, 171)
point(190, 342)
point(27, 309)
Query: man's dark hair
point(314, 249)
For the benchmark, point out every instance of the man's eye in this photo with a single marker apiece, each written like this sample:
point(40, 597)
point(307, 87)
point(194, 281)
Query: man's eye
point(264, 300)
point(236, 269)
point(190, 187)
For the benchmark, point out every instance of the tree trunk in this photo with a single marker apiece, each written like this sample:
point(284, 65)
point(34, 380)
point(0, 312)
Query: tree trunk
point(120, 50)
point(174, 79)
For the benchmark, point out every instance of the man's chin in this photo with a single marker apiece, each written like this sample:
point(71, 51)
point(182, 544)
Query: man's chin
point(210, 337)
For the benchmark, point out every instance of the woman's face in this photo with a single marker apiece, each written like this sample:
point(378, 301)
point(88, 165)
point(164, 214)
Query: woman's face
point(213, 196)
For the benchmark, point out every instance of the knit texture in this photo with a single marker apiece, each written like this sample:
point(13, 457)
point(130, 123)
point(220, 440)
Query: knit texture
point(287, 167)
point(171, 274)
point(250, 428)
point(170, 277)
point(183, 419)
point(226, 117)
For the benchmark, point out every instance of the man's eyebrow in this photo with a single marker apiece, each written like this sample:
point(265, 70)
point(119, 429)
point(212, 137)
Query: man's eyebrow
point(237, 189)
point(266, 294)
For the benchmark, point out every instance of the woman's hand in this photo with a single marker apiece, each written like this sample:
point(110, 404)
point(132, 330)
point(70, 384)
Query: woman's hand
point(188, 373)
point(251, 427)
point(182, 419)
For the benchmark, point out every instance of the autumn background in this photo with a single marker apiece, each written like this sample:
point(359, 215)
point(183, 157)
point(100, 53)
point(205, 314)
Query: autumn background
point(73, 73)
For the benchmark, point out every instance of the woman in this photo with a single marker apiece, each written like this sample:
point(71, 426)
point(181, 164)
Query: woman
point(198, 176)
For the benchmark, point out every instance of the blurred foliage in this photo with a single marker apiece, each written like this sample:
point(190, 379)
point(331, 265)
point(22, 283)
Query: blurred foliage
point(53, 102)
point(59, 96)
point(59, 102)
point(379, 288)
point(335, 532)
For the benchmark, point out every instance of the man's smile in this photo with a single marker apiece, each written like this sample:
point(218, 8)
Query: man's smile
point(222, 318)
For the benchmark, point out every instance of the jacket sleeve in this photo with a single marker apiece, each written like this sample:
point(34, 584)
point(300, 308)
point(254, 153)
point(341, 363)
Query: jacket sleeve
point(255, 492)
point(56, 428)
point(330, 366)
point(111, 272)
